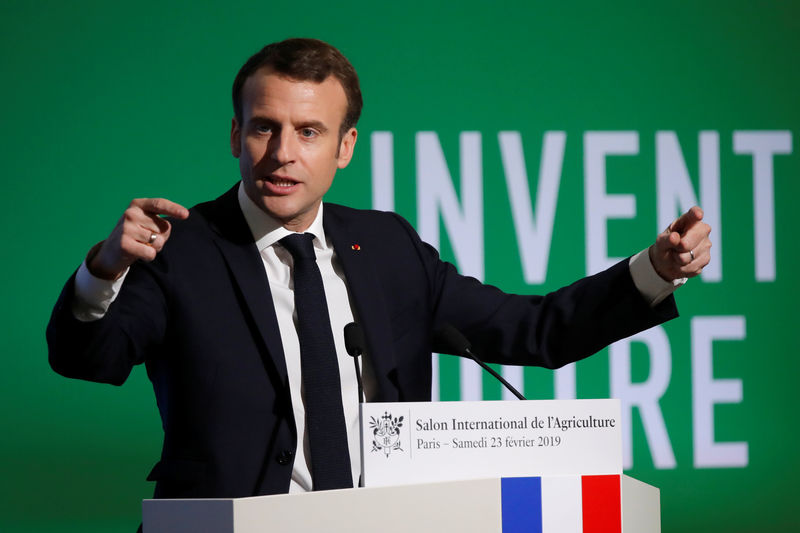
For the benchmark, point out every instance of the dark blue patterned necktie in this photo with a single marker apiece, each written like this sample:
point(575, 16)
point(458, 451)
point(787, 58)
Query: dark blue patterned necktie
point(322, 387)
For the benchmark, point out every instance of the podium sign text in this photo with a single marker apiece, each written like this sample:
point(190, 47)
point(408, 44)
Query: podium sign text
point(419, 442)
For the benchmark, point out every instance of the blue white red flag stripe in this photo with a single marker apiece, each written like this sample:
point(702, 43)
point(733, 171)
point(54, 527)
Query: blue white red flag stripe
point(569, 504)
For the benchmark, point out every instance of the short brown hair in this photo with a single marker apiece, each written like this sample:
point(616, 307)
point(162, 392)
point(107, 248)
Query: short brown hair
point(304, 60)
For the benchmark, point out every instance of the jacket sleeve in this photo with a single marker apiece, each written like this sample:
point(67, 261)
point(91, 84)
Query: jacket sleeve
point(552, 330)
point(106, 350)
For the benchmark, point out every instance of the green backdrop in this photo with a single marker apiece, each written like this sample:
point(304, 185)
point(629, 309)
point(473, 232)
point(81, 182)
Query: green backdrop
point(630, 112)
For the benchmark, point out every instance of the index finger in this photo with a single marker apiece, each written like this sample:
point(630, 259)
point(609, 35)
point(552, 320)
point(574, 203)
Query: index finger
point(687, 220)
point(162, 206)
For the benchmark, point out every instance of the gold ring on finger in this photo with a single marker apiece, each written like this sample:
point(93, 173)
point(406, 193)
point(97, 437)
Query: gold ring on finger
point(153, 238)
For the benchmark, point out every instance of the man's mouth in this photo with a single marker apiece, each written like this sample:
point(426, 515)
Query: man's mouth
point(280, 184)
point(280, 181)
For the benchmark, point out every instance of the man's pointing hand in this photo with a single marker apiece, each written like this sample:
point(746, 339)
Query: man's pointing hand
point(683, 249)
point(140, 233)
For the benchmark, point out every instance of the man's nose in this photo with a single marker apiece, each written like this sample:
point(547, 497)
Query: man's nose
point(281, 147)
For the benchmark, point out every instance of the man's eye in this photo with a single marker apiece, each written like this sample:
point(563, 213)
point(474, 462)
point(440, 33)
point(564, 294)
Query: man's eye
point(308, 133)
point(263, 128)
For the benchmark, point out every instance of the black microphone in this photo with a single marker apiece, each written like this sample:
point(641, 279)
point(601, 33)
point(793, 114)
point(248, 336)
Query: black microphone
point(354, 344)
point(458, 344)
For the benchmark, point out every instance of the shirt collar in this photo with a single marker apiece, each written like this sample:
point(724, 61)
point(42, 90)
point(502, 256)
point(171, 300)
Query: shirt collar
point(267, 230)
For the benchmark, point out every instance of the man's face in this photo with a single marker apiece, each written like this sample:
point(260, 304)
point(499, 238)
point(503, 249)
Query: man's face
point(288, 144)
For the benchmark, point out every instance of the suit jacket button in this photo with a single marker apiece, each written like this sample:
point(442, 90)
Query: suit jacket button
point(285, 457)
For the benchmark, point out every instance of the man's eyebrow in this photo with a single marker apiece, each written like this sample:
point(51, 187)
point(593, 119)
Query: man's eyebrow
point(316, 124)
point(262, 120)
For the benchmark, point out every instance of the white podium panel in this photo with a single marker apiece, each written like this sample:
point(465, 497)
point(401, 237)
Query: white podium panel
point(425, 442)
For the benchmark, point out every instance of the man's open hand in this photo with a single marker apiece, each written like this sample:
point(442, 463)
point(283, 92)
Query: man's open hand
point(683, 249)
point(139, 234)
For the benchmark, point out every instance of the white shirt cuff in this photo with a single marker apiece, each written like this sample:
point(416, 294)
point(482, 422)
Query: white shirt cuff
point(652, 287)
point(93, 295)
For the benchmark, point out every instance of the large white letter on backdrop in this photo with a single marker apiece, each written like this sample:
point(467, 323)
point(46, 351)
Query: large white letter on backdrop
point(762, 145)
point(382, 150)
point(708, 392)
point(643, 395)
point(533, 238)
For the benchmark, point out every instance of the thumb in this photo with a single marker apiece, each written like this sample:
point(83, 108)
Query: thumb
point(669, 239)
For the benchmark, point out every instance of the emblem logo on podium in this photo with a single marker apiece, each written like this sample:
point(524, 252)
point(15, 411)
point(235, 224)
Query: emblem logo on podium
point(386, 433)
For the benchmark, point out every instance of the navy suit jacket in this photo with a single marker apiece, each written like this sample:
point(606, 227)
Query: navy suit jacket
point(201, 319)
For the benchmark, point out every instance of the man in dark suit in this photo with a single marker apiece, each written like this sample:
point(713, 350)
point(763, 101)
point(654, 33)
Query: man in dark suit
point(214, 314)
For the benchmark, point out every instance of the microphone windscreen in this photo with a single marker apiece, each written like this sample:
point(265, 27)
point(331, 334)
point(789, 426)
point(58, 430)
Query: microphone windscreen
point(354, 339)
point(455, 342)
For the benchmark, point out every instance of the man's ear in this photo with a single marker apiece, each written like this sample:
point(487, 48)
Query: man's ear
point(236, 138)
point(346, 147)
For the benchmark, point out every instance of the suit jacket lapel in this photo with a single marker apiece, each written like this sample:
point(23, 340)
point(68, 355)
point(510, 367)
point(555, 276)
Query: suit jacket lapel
point(359, 264)
point(235, 242)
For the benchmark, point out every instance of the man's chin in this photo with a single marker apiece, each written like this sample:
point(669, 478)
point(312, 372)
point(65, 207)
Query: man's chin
point(292, 216)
